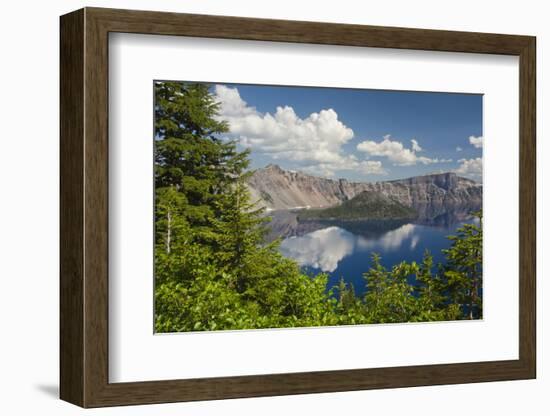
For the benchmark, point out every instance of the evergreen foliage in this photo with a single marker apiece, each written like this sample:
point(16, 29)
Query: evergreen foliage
point(213, 269)
point(367, 205)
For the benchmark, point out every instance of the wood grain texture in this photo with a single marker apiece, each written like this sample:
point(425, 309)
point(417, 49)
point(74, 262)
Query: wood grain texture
point(71, 100)
point(527, 208)
point(84, 207)
point(225, 27)
point(96, 208)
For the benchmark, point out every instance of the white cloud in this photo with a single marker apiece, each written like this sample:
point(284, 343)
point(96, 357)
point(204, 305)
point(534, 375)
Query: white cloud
point(477, 142)
point(231, 103)
point(315, 142)
point(373, 167)
point(459, 149)
point(326, 170)
point(367, 167)
point(396, 152)
point(472, 168)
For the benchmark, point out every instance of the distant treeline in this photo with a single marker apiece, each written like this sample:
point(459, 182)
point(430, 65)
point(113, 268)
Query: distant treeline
point(214, 270)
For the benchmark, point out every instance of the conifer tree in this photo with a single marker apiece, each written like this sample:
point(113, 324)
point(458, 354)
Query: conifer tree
point(464, 267)
point(239, 233)
point(389, 296)
point(189, 154)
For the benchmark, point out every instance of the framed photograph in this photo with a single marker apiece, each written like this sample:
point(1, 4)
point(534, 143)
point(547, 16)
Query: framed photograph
point(256, 207)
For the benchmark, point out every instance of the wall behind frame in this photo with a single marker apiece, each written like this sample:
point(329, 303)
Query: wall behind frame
point(29, 210)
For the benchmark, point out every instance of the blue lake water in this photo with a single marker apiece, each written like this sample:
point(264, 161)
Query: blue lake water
point(343, 250)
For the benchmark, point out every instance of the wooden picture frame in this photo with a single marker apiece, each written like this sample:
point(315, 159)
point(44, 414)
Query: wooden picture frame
point(84, 207)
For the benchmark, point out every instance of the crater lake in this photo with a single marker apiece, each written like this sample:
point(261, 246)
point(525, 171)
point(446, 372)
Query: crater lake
point(343, 249)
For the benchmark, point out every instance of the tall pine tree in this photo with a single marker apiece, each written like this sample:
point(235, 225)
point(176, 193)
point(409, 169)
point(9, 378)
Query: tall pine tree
point(189, 154)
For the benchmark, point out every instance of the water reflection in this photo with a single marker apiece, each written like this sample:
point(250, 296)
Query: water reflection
point(391, 240)
point(324, 249)
point(414, 242)
point(444, 215)
point(343, 248)
point(321, 249)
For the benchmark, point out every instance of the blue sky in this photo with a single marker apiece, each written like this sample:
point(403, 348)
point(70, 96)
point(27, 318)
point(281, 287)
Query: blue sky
point(358, 134)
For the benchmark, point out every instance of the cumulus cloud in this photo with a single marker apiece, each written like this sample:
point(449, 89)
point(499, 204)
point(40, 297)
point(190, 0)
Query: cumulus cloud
point(396, 152)
point(459, 149)
point(314, 141)
point(472, 168)
point(477, 142)
point(367, 167)
point(373, 167)
point(231, 103)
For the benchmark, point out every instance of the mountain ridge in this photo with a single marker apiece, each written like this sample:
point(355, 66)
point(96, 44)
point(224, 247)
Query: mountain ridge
point(276, 188)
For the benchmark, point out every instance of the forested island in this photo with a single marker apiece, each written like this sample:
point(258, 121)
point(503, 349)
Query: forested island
point(366, 205)
point(215, 270)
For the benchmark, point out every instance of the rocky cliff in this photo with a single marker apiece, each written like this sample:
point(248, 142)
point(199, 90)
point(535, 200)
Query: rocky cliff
point(276, 188)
